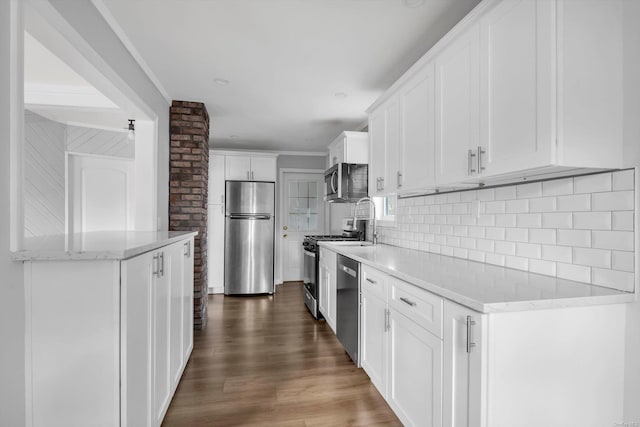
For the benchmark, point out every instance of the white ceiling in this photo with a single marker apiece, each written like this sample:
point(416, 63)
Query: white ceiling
point(285, 60)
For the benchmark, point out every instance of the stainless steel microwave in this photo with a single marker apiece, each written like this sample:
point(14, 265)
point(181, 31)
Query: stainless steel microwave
point(346, 182)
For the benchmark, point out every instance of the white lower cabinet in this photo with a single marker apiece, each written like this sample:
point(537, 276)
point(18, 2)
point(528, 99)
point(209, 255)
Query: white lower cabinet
point(438, 363)
point(108, 340)
point(327, 291)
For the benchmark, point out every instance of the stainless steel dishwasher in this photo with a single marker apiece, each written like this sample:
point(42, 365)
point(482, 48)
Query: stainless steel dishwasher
point(348, 305)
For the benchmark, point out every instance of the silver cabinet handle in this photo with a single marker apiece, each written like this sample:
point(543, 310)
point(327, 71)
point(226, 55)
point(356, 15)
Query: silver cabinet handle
point(187, 249)
point(348, 270)
point(161, 264)
point(470, 156)
point(378, 183)
point(470, 344)
point(156, 265)
point(371, 281)
point(399, 179)
point(407, 301)
point(382, 182)
point(481, 153)
point(387, 313)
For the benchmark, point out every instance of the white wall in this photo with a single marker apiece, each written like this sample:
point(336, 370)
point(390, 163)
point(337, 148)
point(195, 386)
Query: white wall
point(12, 408)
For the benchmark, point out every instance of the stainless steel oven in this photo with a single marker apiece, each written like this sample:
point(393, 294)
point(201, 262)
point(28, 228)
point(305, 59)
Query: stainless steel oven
point(311, 280)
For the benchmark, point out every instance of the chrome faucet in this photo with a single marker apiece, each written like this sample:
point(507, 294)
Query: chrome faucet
point(374, 232)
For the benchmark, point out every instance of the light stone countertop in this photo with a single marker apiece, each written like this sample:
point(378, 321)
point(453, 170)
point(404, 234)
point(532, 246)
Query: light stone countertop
point(482, 287)
point(97, 245)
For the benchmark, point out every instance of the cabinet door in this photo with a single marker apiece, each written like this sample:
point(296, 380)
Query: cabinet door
point(237, 168)
point(174, 259)
point(161, 310)
point(215, 244)
point(336, 153)
point(373, 336)
point(462, 368)
point(417, 133)
point(415, 373)
point(187, 301)
point(457, 103)
point(332, 290)
point(391, 144)
point(516, 86)
point(216, 179)
point(263, 169)
point(377, 159)
point(323, 290)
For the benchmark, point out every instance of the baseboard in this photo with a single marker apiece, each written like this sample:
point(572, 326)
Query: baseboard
point(216, 290)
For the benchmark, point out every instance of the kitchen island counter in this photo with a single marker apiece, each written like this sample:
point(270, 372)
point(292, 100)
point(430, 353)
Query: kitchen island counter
point(97, 245)
point(482, 287)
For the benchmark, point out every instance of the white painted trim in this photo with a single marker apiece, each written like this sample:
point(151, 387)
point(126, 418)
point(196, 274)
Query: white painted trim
point(281, 210)
point(117, 29)
point(16, 126)
point(275, 153)
point(243, 153)
point(107, 128)
point(304, 153)
point(68, 96)
point(99, 156)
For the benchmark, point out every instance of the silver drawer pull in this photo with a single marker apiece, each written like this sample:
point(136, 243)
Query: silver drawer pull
point(470, 343)
point(407, 301)
point(371, 281)
point(348, 270)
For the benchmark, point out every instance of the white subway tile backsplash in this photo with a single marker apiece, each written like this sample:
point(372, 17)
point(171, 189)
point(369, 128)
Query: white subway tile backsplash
point(517, 206)
point(542, 267)
point(623, 261)
point(580, 238)
point(592, 183)
point(495, 233)
point(529, 220)
point(592, 257)
point(617, 240)
point(517, 234)
point(579, 228)
point(557, 253)
point(543, 235)
point(622, 221)
point(517, 263)
point(613, 279)
point(495, 259)
point(505, 193)
point(592, 220)
point(505, 248)
point(578, 273)
point(528, 250)
point(623, 180)
point(506, 220)
point(495, 207)
point(557, 187)
point(528, 191)
point(574, 203)
point(615, 201)
point(542, 204)
point(557, 220)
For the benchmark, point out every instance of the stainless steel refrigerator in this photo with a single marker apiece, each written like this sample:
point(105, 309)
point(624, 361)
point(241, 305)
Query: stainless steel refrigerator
point(249, 237)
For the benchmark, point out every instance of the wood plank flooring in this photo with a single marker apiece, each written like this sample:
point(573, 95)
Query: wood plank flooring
point(264, 361)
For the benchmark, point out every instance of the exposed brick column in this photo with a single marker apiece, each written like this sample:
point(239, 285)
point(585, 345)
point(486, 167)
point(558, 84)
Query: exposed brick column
point(188, 187)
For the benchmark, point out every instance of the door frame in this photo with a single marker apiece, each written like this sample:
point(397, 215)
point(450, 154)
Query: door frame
point(281, 208)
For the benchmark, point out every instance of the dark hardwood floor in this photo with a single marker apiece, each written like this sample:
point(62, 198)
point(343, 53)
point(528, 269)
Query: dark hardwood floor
point(264, 361)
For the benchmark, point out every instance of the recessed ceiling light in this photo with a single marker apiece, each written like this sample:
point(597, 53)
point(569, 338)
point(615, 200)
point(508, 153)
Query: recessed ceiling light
point(340, 95)
point(221, 82)
point(413, 3)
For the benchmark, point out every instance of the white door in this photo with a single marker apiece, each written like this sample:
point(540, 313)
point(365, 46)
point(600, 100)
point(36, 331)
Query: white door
point(215, 245)
point(302, 214)
point(101, 193)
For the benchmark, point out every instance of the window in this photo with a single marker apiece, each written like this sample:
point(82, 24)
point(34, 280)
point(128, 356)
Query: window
point(303, 206)
point(386, 210)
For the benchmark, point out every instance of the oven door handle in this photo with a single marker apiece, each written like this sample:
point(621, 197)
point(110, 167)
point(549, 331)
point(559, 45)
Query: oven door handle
point(309, 253)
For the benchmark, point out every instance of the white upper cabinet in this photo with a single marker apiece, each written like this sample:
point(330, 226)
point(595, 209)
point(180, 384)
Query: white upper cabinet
point(457, 92)
point(417, 132)
point(521, 88)
point(250, 168)
point(516, 83)
point(349, 147)
point(216, 179)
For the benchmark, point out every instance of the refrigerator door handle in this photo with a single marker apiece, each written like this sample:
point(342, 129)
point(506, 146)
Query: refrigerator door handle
point(236, 216)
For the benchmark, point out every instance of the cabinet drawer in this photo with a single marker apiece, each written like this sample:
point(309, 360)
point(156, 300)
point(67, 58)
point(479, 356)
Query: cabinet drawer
point(421, 306)
point(374, 282)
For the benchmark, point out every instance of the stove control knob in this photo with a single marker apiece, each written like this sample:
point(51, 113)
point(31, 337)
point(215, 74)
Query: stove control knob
point(305, 243)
